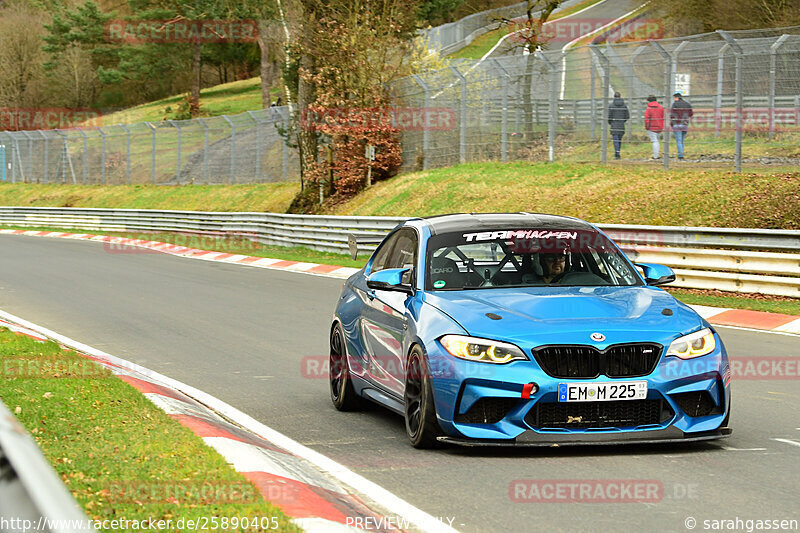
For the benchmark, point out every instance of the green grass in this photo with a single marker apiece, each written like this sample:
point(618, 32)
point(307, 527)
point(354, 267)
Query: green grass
point(225, 99)
point(268, 197)
point(119, 455)
point(621, 194)
point(759, 302)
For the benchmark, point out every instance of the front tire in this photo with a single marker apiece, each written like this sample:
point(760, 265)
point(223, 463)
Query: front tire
point(343, 395)
point(422, 426)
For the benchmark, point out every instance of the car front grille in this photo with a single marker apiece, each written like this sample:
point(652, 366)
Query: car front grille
point(581, 361)
point(487, 411)
point(586, 415)
point(696, 403)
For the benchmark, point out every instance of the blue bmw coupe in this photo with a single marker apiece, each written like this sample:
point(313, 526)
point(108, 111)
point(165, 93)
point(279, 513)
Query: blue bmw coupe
point(524, 329)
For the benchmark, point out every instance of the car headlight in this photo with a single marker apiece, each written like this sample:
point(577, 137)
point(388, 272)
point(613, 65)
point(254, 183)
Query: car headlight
point(481, 350)
point(693, 345)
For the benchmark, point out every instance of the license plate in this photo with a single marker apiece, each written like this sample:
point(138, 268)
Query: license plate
point(602, 392)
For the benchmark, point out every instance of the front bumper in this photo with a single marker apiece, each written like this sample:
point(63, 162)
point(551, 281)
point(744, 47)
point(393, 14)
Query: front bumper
point(458, 386)
point(531, 438)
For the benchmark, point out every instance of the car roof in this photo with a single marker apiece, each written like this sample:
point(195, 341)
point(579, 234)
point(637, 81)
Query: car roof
point(489, 221)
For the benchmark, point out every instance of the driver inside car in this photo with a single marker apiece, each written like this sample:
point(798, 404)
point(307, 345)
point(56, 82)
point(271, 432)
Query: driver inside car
point(554, 266)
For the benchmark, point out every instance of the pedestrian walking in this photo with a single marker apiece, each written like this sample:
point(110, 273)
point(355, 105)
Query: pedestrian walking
point(654, 122)
point(679, 116)
point(617, 116)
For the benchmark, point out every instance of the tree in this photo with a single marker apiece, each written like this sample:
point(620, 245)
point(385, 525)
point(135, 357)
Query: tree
point(21, 57)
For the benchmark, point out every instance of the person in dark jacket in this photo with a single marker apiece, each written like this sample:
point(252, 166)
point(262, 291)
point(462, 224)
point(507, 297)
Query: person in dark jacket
point(654, 122)
point(679, 116)
point(617, 116)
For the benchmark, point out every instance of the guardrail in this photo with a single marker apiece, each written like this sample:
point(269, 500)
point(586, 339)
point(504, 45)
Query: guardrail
point(32, 496)
point(730, 259)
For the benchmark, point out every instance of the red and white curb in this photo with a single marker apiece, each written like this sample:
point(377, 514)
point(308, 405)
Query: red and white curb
point(774, 322)
point(119, 245)
point(319, 494)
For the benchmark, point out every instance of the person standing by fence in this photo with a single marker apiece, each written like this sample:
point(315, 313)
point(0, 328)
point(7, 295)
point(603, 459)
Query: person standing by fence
point(654, 122)
point(617, 116)
point(679, 116)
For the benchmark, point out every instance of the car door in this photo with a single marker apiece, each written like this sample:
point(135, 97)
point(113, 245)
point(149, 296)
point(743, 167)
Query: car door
point(384, 322)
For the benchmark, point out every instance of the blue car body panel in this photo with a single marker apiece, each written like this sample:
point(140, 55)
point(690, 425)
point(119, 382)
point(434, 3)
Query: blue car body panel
point(380, 327)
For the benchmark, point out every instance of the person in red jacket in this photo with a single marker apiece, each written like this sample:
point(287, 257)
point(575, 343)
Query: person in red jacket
point(654, 122)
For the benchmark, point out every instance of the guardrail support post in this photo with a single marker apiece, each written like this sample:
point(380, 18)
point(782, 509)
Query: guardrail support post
point(462, 117)
point(553, 110)
point(667, 95)
point(739, 53)
point(773, 75)
point(103, 155)
point(606, 66)
point(233, 147)
point(128, 153)
point(152, 153)
point(426, 136)
point(718, 99)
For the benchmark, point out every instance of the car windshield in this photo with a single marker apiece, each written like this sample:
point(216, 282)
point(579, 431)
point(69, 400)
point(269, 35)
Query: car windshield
point(525, 257)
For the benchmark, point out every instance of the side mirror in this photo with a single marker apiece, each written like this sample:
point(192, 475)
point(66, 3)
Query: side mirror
point(390, 279)
point(655, 274)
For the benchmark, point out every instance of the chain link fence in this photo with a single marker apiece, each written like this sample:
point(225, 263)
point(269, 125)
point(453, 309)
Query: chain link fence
point(244, 148)
point(551, 105)
point(744, 88)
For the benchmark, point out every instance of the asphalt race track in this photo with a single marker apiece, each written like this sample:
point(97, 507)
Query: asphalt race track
point(243, 334)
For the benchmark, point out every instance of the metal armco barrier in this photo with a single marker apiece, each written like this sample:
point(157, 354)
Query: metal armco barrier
point(731, 259)
point(32, 496)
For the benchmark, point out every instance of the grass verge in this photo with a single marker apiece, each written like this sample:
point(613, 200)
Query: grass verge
point(120, 456)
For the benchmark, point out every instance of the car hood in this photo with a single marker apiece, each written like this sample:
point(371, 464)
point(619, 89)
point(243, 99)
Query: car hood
point(549, 315)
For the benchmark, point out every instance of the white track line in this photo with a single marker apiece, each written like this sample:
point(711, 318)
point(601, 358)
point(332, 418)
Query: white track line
point(506, 36)
point(787, 441)
point(366, 488)
point(572, 43)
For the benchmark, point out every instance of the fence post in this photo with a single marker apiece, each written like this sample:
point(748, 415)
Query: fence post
point(773, 74)
point(233, 147)
point(83, 154)
point(103, 155)
point(127, 154)
point(592, 104)
point(462, 118)
point(46, 169)
point(426, 138)
point(606, 66)
point(258, 145)
point(286, 117)
point(636, 112)
point(152, 153)
point(30, 154)
point(19, 161)
point(178, 172)
point(675, 53)
point(718, 100)
point(205, 149)
point(739, 53)
point(667, 95)
point(553, 108)
point(504, 118)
